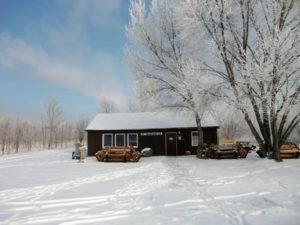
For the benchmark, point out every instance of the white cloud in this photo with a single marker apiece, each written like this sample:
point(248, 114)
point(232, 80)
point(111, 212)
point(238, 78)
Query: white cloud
point(93, 79)
point(66, 57)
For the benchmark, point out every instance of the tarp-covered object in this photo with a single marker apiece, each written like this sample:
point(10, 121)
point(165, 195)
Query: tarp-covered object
point(147, 152)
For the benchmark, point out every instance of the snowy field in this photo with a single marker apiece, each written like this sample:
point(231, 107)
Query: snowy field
point(49, 188)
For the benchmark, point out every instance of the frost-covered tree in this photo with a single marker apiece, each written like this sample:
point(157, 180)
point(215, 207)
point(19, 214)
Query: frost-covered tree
point(257, 42)
point(65, 133)
point(18, 134)
point(5, 132)
point(165, 68)
point(28, 136)
point(232, 124)
point(43, 130)
point(51, 119)
point(106, 105)
point(80, 127)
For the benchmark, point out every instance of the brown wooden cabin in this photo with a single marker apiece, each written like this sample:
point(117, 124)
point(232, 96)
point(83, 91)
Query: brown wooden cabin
point(167, 133)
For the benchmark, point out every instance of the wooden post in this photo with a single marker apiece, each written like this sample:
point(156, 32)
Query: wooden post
point(81, 155)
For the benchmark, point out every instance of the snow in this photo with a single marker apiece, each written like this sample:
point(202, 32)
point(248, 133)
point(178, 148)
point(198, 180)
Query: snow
point(148, 120)
point(48, 187)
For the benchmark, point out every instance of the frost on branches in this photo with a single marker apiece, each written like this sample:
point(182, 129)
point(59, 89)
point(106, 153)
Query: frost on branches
point(165, 68)
point(258, 45)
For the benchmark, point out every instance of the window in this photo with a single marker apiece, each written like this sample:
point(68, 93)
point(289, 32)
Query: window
point(107, 140)
point(132, 140)
point(119, 140)
point(194, 138)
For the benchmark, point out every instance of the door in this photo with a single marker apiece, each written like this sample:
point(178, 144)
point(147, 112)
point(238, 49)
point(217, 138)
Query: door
point(171, 143)
point(208, 136)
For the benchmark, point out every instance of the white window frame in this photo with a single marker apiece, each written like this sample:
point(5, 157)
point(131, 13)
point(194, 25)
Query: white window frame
point(137, 139)
point(192, 141)
point(112, 140)
point(116, 140)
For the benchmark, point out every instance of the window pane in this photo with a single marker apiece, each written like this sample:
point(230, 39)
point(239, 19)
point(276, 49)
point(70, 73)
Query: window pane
point(107, 140)
point(195, 141)
point(195, 138)
point(132, 140)
point(120, 140)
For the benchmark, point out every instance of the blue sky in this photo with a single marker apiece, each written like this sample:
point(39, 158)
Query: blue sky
point(70, 49)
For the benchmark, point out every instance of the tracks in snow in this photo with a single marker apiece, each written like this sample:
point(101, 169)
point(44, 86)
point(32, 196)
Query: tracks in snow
point(37, 192)
point(149, 189)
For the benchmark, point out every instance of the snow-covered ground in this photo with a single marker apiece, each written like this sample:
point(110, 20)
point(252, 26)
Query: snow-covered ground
point(49, 188)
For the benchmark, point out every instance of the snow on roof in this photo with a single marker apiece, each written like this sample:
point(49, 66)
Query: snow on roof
point(148, 120)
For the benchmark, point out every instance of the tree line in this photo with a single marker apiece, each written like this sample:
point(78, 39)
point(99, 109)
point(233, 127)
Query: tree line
point(51, 131)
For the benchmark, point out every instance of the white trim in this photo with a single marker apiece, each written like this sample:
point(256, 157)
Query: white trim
point(166, 142)
point(192, 142)
point(112, 144)
point(116, 134)
point(137, 139)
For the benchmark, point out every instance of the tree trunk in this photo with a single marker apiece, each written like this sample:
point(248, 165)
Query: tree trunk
point(277, 156)
point(276, 150)
point(17, 147)
point(50, 140)
point(200, 136)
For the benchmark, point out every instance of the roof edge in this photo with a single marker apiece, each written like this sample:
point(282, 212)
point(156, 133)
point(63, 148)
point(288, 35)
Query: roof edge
point(154, 128)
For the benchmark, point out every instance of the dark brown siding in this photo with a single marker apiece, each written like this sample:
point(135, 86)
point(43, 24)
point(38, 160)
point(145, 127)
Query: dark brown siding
point(156, 142)
point(210, 136)
point(94, 138)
